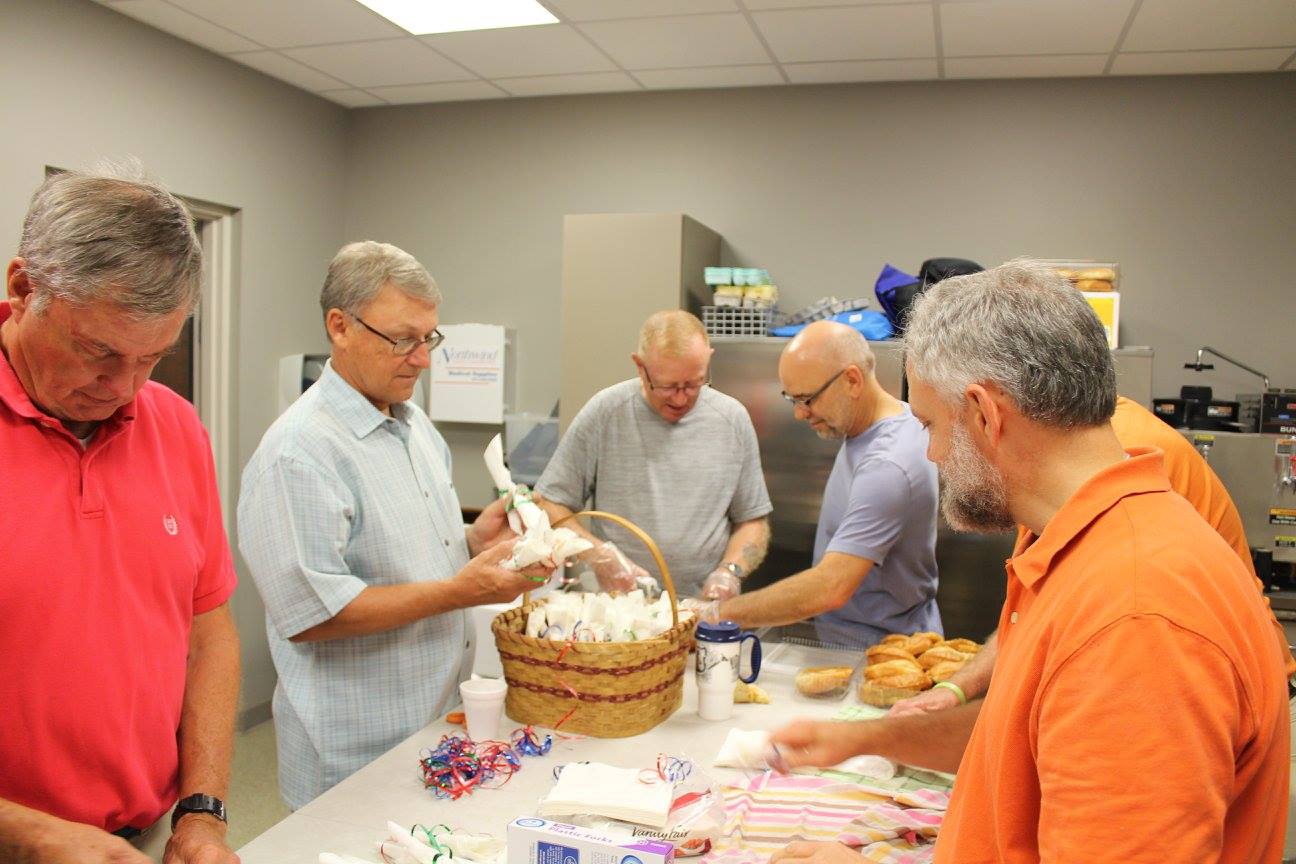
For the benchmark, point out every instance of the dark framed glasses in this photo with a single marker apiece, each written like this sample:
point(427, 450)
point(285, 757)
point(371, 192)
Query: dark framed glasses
point(804, 401)
point(408, 345)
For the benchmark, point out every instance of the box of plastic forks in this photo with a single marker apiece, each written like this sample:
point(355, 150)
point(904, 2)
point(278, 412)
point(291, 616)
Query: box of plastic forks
point(538, 841)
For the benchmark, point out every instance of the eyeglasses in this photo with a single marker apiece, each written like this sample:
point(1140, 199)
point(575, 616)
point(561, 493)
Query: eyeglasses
point(671, 389)
point(804, 401)
point(408, 345)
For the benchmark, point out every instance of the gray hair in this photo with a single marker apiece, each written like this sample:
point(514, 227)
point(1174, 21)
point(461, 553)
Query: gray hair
point(1024, 328)
point(360, 270)
point(111, 235)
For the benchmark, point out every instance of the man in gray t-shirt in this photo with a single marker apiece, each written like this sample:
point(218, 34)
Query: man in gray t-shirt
point(674, 457)
point(875, 551)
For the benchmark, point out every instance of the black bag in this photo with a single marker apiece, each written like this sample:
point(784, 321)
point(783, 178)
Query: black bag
point(932, 271)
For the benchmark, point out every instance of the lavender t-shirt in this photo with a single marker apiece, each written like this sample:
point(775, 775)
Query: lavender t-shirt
point(880, 503)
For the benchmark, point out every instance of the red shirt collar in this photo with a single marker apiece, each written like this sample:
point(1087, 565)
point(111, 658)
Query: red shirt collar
point(1142, 472)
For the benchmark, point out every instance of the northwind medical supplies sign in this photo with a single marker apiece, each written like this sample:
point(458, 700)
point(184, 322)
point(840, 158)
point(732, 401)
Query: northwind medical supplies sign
point(468, 375)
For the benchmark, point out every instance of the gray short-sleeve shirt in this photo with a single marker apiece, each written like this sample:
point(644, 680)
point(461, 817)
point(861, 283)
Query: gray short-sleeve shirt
point(684, 483)
point(880, 504)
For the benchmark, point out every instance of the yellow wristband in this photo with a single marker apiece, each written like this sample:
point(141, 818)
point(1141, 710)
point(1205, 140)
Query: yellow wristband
point(955, 689)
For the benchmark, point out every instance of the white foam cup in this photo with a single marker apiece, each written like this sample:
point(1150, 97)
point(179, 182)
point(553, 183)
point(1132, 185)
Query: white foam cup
point(483, 701)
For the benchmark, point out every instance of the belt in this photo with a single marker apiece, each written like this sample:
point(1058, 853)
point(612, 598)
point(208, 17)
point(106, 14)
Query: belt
point(128, 832)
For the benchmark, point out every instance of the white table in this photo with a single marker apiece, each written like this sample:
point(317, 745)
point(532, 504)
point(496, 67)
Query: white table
point(352, 817)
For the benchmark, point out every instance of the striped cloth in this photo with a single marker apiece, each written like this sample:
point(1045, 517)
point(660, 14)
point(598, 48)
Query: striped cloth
point(770, 811)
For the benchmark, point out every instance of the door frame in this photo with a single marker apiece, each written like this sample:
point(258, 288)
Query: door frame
point(215, 387)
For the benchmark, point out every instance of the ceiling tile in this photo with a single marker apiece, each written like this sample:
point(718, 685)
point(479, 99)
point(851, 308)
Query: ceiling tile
point(1167, 25)
point(667, 43)
point(551, 85)
point(858, 33)
point(352, 98)
point(516, 52)
point(755, 5)
point(275, 64)
point(1191, 62)
point(283, 23)
point(180, 23)
point(596, 10)
point(862, 70)
point(1014, 27)
point(1041, 66)
point(380, 64)
point(710, 76)
point(455, 91)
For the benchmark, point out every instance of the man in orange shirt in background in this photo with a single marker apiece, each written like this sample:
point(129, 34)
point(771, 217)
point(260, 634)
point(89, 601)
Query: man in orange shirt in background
point(1138, 709)
point(1191, 477)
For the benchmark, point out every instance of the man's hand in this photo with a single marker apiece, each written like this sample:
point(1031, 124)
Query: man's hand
point(199, 839)
point(614, 571)
point(808, 852)
point(63, 842)
point(721, 585)
point(935, 699)
point(490, 528)
point(483, 580)
point(818, 743)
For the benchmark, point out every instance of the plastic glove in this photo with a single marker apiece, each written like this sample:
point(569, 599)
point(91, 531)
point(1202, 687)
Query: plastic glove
point(721, 585)
point(614, 571)
point(705, 610)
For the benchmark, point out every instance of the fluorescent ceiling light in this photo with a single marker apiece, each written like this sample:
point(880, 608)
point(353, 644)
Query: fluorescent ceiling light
point(421, 17)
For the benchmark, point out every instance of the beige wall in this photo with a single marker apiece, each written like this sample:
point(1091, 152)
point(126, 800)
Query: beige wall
point(1188, 182)
point(79, 83)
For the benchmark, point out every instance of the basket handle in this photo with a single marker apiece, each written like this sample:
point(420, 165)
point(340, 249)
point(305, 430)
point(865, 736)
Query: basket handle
point(643, 538)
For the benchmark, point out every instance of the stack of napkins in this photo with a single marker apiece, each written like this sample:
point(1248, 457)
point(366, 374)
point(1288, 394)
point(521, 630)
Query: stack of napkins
point(540, 543)
point(595, 789)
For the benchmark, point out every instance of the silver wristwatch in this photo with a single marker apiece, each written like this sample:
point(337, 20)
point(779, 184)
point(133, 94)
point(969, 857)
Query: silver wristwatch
point(736, 569)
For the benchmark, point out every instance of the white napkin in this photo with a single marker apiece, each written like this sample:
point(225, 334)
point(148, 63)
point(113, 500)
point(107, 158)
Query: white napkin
point(744, 749)
point(540, 543)
point(604, 790)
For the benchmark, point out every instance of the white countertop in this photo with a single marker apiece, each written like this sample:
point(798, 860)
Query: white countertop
point(352, 817)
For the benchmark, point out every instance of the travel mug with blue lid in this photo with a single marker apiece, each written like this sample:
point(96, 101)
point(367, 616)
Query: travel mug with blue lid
point(719, 652)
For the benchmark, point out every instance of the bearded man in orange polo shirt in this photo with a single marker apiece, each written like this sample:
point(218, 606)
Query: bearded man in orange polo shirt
point(1138, 710)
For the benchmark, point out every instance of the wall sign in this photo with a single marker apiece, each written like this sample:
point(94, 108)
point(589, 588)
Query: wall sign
point(468, 375)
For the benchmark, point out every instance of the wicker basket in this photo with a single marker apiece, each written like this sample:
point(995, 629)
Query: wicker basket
point(603, 689)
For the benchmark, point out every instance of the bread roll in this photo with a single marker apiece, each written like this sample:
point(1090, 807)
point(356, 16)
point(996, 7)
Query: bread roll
point(945, 670)
point(1104, 274)
point(967, 646)
point(887, 690)
point(1065, 272)
point(882, 653)
point(941, 654)
point(748, 693)
point(818, 680)
point(920, 642)
point(877, 671)
point(1093, 285)
point(894, 639)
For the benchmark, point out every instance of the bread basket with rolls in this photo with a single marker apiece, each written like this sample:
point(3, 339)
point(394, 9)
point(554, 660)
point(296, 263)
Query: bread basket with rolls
point(904, 665)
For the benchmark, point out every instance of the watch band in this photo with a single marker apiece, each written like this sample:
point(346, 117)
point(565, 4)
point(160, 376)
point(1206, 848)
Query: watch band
point(198, 803)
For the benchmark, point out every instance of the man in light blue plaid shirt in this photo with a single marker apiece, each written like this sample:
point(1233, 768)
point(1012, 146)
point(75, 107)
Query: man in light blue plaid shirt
point(352, 529)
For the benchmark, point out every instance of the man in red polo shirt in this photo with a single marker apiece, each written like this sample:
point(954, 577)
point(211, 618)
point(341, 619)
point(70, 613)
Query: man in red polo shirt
point(1138, 710)
point(120, 670)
